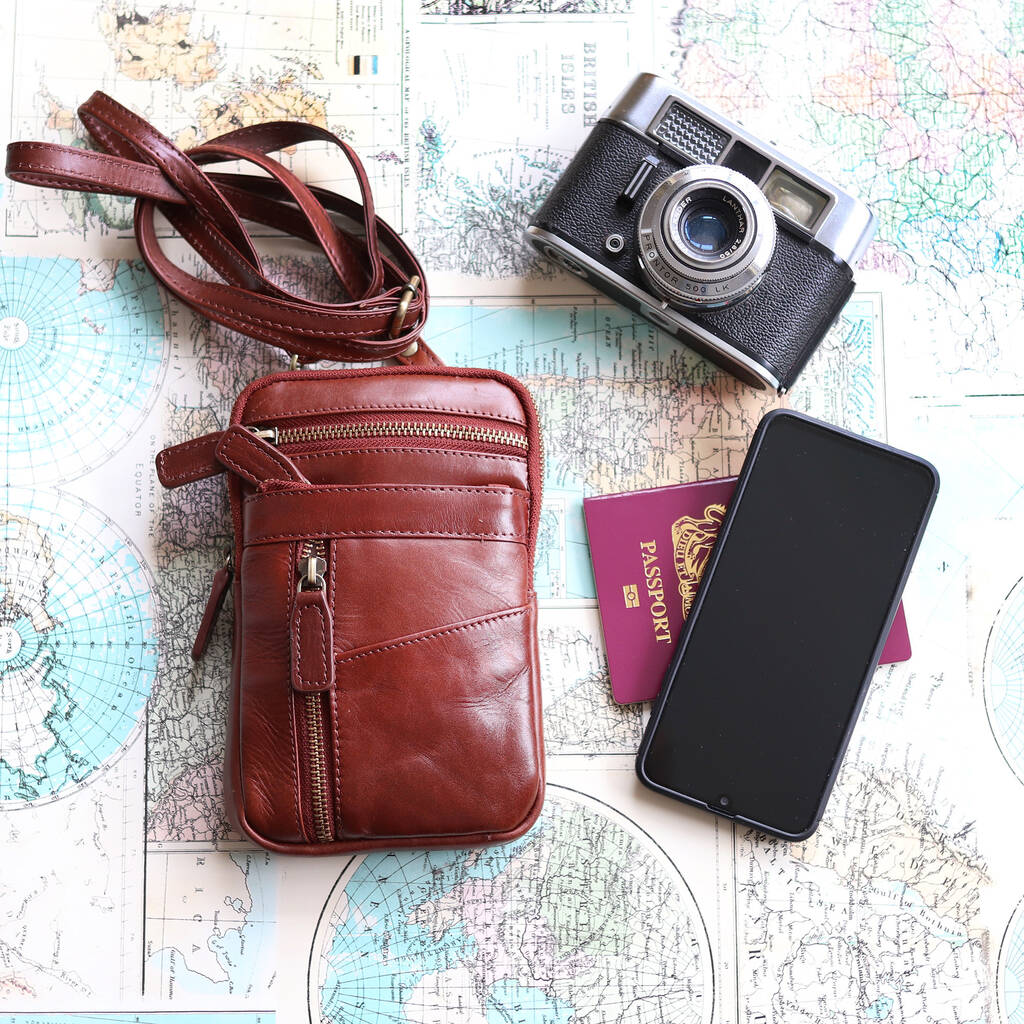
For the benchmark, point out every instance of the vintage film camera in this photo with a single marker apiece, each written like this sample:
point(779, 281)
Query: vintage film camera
point(708, 232)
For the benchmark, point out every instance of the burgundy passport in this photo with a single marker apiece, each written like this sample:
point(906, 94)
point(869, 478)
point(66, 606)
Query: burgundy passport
point(649, 550)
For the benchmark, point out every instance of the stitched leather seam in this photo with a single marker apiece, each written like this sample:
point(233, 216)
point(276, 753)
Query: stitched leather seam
point(339, 311)
point(510, 492)
point(281, 378)
point(336, 313)
point(297, 187)
point(187, 445)
point(110, 140)
point(298, 643)
point(273, 457)
point(406, 451)
point(274, 141)
point(432, 636)
point(69, 183)
point(193, 472)
point(239, 469)
point(276, 458)
point(514, 536)
point(390, 268)
point(380, 321)
point(196, 237)
point(169, 454)
point(186, 475)
point(289, 608)
point(117, 175)
point(241, 265)
point(336, 721)
point(416, 407)
point(104, 160)
point(166, 155)
point(198, 241)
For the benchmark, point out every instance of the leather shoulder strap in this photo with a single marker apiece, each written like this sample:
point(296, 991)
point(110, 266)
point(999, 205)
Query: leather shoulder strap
point(383, 295)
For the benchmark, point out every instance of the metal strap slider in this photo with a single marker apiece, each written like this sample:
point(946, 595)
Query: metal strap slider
point(411, 290)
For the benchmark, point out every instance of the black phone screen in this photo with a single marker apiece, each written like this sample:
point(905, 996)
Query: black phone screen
point(809, 570)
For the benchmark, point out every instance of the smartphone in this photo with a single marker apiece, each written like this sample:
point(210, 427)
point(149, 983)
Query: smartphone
point(785, 631)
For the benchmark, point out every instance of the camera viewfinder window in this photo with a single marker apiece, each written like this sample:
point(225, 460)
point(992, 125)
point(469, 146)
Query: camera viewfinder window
point(795, 198)
point(746, 161)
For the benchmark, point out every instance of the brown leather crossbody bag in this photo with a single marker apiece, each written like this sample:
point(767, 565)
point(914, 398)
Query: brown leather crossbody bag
point(385, 685)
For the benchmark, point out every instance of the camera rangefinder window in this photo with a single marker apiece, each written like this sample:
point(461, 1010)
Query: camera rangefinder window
point(794, 198)
point(751, 275)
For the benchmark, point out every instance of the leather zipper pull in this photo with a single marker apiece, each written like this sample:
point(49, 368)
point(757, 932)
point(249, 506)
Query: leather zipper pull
point(189, 461)
point(218, 591)
point(248, 454)
point(312, 634)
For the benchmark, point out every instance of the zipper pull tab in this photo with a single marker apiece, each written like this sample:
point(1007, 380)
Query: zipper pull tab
point(268, 434)
point(214, 603)
point(312, 624)
point(311, 573)
point(312, 641)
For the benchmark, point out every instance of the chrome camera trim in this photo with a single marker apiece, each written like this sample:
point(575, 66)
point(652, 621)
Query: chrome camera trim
point(846, 225)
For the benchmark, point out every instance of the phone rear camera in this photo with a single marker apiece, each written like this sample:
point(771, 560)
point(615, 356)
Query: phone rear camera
point(710, 227)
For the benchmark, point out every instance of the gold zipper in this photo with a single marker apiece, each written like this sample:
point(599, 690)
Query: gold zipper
point(404, 428)
point(312, 566)
point(317, 767)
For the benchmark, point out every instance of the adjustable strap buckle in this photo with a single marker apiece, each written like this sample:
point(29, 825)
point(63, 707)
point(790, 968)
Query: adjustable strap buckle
point(411, 290)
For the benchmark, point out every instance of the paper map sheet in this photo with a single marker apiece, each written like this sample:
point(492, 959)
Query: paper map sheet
point(124, 895)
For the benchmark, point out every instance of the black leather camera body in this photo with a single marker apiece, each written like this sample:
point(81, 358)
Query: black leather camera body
point(707, 232)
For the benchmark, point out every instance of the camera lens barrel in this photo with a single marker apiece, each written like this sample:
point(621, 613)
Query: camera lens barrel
point(706, 235)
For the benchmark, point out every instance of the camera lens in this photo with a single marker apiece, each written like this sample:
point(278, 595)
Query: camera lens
point(708, 227)
point(706, 236)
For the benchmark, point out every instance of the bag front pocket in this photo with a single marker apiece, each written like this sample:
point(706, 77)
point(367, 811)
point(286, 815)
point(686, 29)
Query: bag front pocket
point(369, 564)
point(404, 558)
point(437, 732)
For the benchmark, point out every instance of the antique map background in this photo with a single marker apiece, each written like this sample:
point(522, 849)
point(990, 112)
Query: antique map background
point(123, 890)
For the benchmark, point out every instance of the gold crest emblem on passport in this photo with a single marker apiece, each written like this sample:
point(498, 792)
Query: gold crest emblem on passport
point(692, 540)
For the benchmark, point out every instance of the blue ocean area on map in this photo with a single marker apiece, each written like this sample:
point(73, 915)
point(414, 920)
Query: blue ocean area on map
point(81, 356)
point(879, 1009)
point(393, 885)
point(414, 935)
point(161, 1017)
point(77, 642)
point(1012, 968)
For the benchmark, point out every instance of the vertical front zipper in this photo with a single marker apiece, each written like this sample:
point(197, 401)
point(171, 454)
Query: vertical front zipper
point(313, 676)
point(318, 767)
